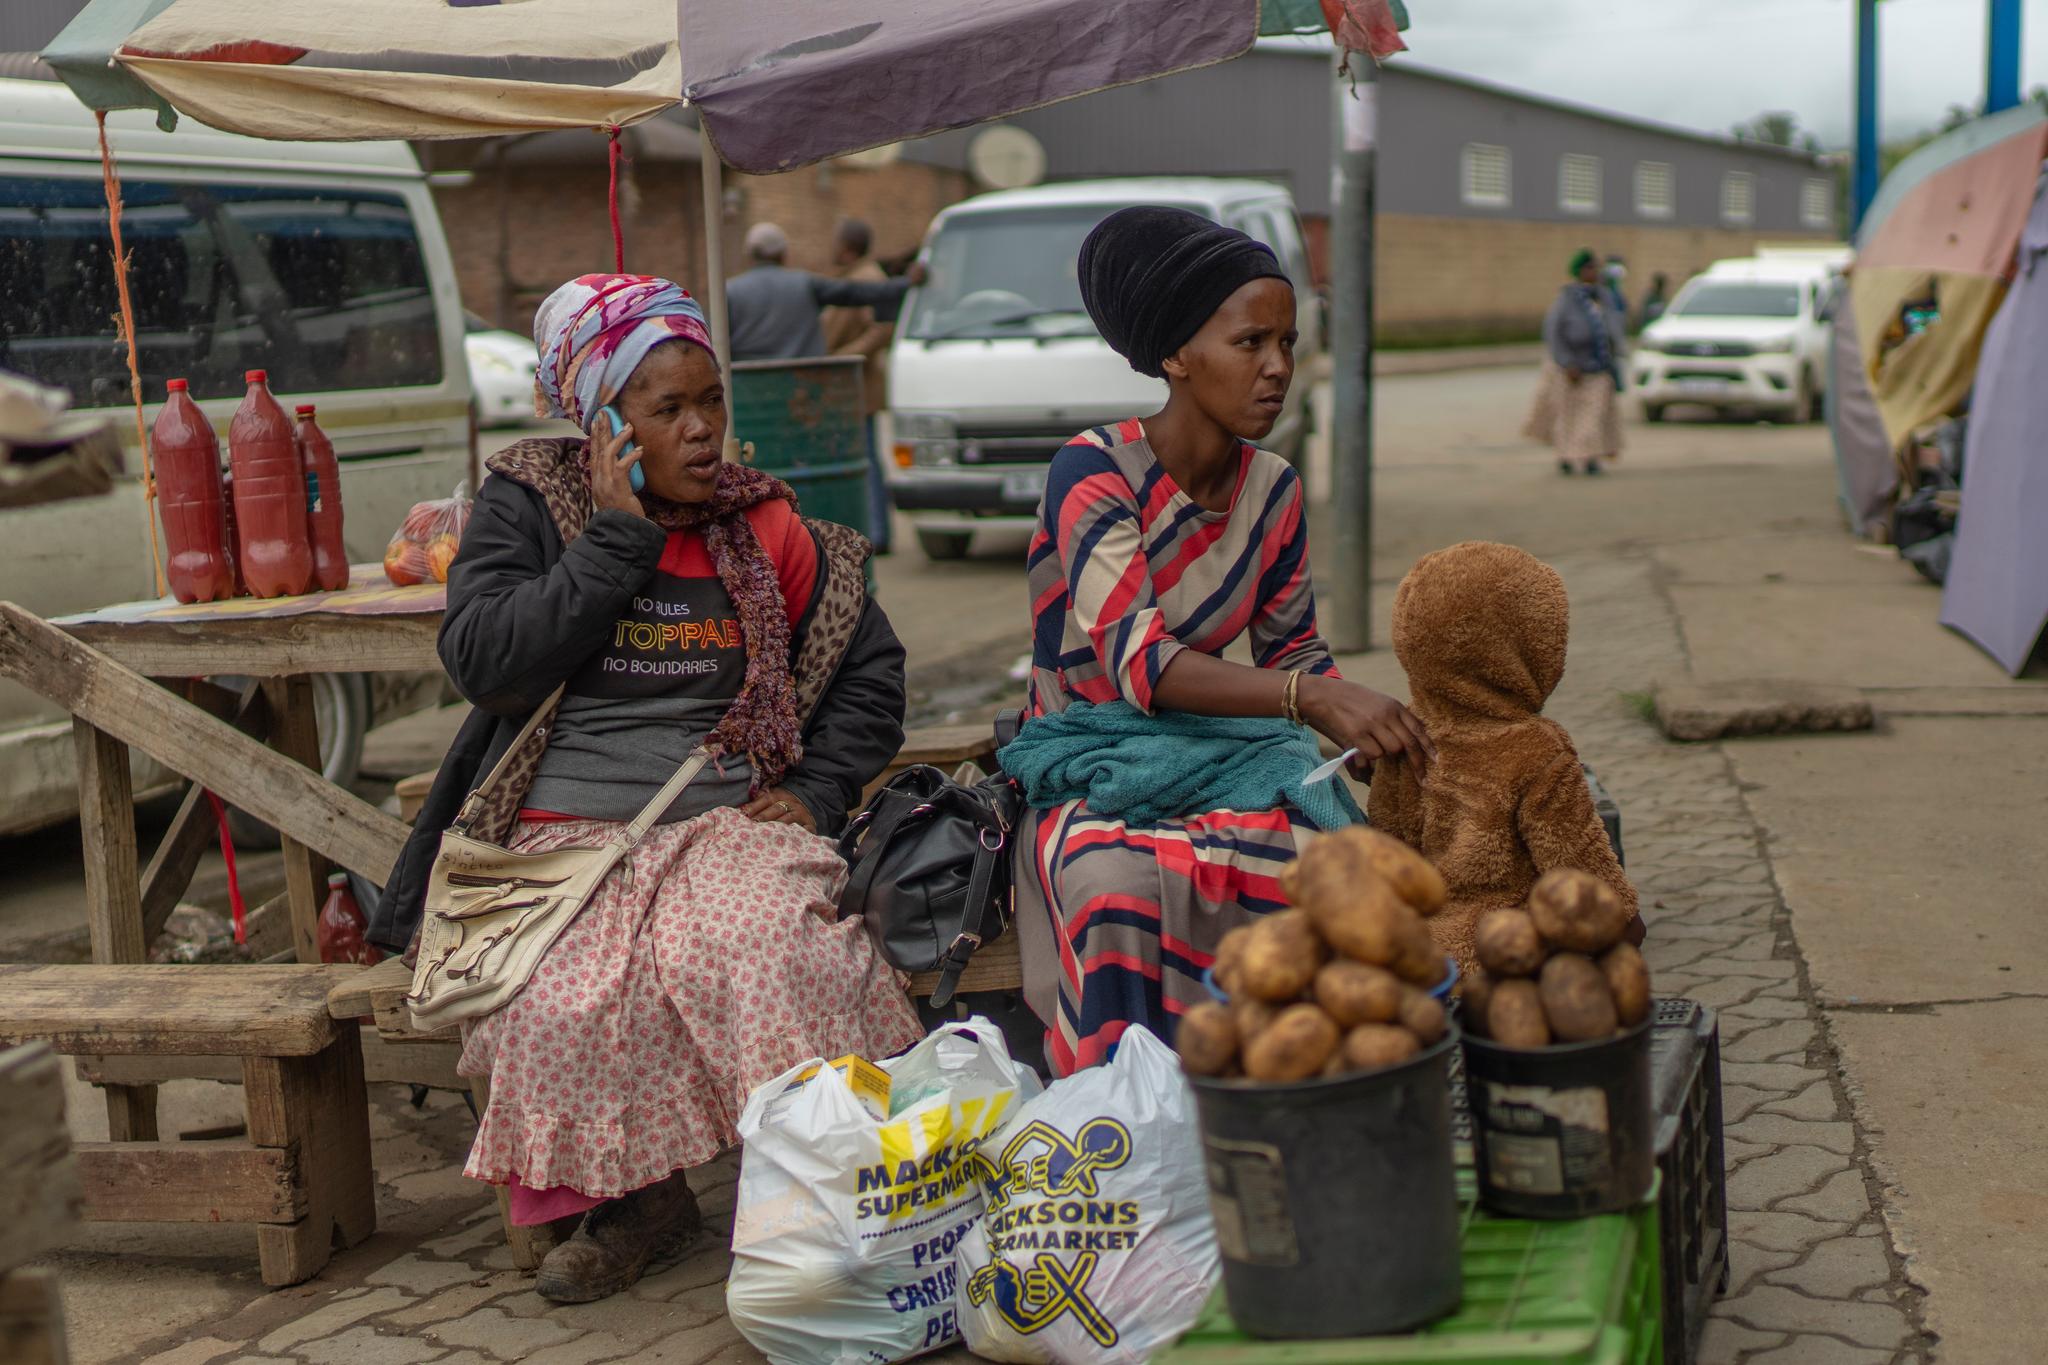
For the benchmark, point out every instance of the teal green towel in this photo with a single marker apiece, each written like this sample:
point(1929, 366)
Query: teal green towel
point(1146, 769)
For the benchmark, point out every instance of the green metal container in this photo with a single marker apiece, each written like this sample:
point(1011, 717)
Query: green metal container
point(805, 421)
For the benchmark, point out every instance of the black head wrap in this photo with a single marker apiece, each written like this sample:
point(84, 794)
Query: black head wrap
point(1151, 276)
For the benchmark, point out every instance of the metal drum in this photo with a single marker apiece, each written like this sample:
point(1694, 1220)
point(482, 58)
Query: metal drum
point(805, 421)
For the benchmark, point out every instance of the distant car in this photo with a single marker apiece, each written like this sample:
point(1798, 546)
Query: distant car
point(1748, 335)
point(501, 366)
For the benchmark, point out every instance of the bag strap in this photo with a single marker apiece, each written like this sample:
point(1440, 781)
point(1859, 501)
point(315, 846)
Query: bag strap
point(664, 798)
point(878, 833)
point(967, 939)
point(473, 803)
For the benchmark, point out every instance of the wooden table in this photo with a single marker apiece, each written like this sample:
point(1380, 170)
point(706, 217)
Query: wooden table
point(134, 677)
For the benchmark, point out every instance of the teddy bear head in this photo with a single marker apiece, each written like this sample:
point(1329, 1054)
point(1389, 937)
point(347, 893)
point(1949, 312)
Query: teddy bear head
point(1481, 628)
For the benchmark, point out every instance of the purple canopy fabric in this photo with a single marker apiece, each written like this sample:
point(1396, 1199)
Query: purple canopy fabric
point(783, 83)
point(1997, 587)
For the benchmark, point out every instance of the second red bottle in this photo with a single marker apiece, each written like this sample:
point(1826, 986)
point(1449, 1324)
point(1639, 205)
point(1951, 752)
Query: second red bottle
point(323, 503)
point(275, 553)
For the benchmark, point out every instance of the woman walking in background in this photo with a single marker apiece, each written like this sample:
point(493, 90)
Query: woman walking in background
point(1577, 405)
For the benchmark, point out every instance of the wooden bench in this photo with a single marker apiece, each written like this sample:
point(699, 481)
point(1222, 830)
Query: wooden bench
point(302, 1176)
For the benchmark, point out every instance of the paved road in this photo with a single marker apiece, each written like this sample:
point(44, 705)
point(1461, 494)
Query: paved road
point(1862, 909)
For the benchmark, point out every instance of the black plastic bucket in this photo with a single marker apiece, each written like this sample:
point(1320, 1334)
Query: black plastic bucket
point(1562, 1131)
point(1336, 1200)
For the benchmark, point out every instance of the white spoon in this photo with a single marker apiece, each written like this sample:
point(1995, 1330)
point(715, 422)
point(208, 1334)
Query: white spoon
point(1325, 771)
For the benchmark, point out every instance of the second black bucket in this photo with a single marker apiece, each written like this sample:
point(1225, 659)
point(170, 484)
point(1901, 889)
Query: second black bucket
point(1562, 1131)
point(1336, 1200)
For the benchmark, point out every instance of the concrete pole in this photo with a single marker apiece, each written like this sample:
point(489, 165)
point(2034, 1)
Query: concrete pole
point(1865, 185)
point(712, 172)
point(2002, 57)
point(1346, 615)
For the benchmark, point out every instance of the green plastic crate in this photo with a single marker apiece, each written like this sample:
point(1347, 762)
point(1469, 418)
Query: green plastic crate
point(1585, 1291)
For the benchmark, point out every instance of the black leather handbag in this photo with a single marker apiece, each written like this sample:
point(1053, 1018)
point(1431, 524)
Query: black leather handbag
point(930, 870)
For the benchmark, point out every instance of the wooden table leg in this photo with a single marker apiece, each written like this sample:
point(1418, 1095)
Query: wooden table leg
point(529, 1244)
point(296, 734)
point(113, 894)
point(319, 1105)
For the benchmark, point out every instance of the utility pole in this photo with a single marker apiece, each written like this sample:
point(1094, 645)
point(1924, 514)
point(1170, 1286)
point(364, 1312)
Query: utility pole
point(1865, 182)
point(2002, 57)
point(1347, 606)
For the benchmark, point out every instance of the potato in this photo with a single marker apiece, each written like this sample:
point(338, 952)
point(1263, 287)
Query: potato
point(1336, 1066)
point(1514, 1014)
point(1279, 958)
point(1252, 1016)
point(1293, 1047)
point(1423, 1015)
point(1507, 943)
point(1354, 993)
point(1418, 960)
point(1576, 1002)
point(1628, 977)
point(1229, 952)
point(1474, 989)
point(1369, 923)
point(1376, 1045)
point(1207, 1040)
point(1576, 911)
point(1411, 875)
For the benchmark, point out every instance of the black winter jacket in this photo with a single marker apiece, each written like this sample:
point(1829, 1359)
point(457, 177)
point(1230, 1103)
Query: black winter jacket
point(523, 614)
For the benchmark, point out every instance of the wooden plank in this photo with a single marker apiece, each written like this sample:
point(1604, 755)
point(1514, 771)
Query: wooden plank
point(194, 830)
point(39, 1198)
point(426, 1062)
point(229, 1010)
point(998, 967)
point(352, 993)
point(190, 1182)
point(106, 826)
point(318, 1105)
point(296, 735)
point(944, 747)
point(32, 1319)
point(131, 708)
point(277, 647)
point(394, 1020)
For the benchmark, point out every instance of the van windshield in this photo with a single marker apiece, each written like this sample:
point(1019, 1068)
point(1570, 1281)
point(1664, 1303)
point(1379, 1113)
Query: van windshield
point(1739, 299)
point(324, 287)
point(1006, 275)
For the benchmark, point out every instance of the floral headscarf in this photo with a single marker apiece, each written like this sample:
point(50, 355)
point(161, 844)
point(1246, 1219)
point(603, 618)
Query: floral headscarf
point(593, 332)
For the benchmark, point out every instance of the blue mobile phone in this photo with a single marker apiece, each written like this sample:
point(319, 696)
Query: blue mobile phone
point(633, 475)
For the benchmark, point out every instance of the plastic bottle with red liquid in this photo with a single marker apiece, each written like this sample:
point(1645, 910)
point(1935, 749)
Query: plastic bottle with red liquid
point(323, 503)
point(186, 455)
point(342, 926)
point(227, 506)
point(275, 553)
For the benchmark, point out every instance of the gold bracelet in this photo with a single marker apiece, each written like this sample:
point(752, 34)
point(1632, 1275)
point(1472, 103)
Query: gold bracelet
point(1290, 698)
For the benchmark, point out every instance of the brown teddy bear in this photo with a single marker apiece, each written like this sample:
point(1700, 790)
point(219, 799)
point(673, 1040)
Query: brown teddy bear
point(1480, 629)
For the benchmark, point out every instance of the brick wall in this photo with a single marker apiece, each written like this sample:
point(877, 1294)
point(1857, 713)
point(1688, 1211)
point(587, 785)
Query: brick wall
point(518, 232)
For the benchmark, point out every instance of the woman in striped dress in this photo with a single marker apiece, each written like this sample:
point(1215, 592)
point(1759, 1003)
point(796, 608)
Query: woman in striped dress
point(1162, 542)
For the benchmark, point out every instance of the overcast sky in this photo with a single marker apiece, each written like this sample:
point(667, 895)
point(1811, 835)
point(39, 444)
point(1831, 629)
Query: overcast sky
point(1707, 64)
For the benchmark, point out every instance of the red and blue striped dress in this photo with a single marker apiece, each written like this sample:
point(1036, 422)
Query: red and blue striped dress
point(1117, 922)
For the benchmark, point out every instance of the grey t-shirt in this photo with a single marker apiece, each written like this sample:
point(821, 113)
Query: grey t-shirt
point(634, 711)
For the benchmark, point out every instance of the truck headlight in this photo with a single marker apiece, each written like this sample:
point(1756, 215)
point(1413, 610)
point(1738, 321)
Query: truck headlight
point(924, 438)
point(1775, 346)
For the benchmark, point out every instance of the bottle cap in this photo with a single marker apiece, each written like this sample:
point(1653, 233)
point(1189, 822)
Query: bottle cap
point(176, 386)
point(256, 377)
point(304, 409)
point(337, 879)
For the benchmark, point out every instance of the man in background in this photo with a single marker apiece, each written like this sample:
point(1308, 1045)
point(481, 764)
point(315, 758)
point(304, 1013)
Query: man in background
point(858, 331)
point(773, 310)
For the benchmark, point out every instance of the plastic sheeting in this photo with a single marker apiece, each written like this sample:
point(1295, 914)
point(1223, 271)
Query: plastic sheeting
point(1997, 589)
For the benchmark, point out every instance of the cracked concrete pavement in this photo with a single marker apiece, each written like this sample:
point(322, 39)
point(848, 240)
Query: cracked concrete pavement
point(1853, 906)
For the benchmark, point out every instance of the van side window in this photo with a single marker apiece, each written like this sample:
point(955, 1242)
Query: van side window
point(1274, 227)
point(325, 288)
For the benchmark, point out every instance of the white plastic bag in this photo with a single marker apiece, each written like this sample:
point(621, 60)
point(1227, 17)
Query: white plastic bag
point(847, 1233)
point(1097, 1244)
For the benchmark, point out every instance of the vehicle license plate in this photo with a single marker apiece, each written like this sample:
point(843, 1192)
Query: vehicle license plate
point(1024, 485)
point(1702, 385)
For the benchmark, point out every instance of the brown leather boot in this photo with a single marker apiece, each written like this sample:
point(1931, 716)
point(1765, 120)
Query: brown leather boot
point(618, 1239)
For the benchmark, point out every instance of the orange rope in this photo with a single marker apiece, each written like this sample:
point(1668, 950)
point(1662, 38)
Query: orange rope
point(618, 236)
point(113, 189)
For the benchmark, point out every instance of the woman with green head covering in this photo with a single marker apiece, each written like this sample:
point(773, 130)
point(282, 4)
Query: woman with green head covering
point(1577, 405)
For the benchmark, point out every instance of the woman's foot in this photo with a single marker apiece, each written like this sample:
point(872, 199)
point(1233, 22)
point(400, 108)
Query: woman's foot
point(618, 1239)
point(1566, 467)
point(1593, 467)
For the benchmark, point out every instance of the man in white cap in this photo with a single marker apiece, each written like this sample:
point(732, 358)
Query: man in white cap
point(774, 310)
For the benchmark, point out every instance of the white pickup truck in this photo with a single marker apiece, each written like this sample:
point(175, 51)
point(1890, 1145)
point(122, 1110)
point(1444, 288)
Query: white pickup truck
point(1749, 335)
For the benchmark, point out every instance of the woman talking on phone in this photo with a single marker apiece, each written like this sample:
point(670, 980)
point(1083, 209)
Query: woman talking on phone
point(679, 600)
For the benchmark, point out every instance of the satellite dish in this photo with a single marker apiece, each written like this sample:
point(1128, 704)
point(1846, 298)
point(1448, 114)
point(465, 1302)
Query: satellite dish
point(874, 158)
point(1006, 157)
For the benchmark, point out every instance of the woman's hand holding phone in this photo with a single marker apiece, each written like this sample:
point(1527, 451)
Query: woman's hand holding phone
point(614, 461)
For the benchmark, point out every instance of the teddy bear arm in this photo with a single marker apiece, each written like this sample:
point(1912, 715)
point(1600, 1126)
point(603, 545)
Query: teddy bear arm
point(1560, 827)
point(1394, 802)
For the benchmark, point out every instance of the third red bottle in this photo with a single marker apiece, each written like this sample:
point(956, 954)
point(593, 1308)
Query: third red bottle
point(323, 503)
point(275, 554)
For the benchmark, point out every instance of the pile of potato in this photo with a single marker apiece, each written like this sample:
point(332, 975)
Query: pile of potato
point(1558, 971)
point(1337, 984)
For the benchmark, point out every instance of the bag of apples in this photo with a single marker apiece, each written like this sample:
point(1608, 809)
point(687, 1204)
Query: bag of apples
point(426, 543)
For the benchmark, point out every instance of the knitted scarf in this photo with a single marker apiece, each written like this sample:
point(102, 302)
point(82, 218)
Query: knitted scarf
point(762, 722)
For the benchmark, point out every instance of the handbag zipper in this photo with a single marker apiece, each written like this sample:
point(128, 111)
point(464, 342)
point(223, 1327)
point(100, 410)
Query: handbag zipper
point(509, 883)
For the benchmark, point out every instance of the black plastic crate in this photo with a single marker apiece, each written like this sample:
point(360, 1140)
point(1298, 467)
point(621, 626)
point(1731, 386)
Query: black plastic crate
point(1692, 1214)
point(1692, 1200)
point(1608, 810)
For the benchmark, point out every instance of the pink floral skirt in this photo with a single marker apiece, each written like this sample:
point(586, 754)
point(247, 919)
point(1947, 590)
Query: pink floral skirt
point(711, 960)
